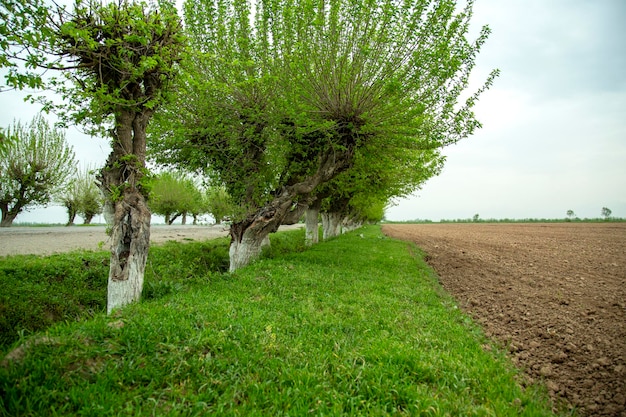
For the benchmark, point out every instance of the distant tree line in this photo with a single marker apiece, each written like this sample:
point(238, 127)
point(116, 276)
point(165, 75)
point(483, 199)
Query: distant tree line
point(570, 217)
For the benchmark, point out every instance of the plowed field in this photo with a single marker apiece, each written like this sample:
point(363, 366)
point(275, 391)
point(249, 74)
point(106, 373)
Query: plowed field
point(553, 294)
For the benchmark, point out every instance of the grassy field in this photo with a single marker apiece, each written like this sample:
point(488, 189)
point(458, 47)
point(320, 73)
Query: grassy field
point(354, 326)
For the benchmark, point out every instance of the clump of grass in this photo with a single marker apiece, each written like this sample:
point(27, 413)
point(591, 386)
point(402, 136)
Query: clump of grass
point(353, 326)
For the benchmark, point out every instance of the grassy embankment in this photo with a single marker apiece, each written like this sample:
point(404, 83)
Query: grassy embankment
point(354, 326)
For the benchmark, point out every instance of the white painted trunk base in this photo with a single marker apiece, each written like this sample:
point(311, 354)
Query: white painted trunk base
point(121, 293)
point(244, 252)
point(312, 234)
point(331, 225)
point(130, 242)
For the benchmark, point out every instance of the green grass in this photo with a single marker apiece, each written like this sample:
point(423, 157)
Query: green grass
point(354, 326)
point(36, 291)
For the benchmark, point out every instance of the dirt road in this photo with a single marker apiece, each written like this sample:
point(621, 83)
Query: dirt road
point(49, 240)
point(554, 294)
point(57, 239)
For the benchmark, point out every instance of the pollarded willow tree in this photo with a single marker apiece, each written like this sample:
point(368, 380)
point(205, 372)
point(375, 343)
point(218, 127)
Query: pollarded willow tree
point(24, 37)
point(36, 162)
point(82, 196)
point(117, 60)
point(173, 194)
point(123, 58)
point(277, 102)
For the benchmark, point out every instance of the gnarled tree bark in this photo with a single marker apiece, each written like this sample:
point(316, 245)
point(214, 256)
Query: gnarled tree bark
point(247, 235)
point(126, 209)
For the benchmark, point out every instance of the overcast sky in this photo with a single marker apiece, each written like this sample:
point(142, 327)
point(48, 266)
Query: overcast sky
point(554, 122)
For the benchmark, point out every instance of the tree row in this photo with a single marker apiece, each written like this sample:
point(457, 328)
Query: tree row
point(292, 107)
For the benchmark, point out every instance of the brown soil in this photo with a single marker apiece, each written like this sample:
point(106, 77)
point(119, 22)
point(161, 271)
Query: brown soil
point(553, 294)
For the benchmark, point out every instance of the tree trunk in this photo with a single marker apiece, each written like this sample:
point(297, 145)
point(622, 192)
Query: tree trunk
point(130, 242)
point(126, 208)
point(88, 219)
point(171, 220)
point(246, 243)
point(247, 235)
point(331, 225)
point(9, 214)
point(184, 219)
point(350, 223)
point(7, 219)
point(312, 233)
point(71, 214)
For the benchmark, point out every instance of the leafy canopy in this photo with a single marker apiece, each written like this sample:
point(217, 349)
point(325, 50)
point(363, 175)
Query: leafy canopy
point(173, 193)
point(277, 86)
point(24, 36)
point(82, 196)
point(35, 163)
point(110, 56)
point(121, 56)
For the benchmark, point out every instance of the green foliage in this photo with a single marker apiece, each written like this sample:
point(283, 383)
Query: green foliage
point(362, 192)
point(70, 197)
point(23, 21)
point(116, 192)
point(35, 163)
point(324, 332)
point(293, 91)
point(220, 204)
point(125, 57)
point(82, 196)
point(173, 194)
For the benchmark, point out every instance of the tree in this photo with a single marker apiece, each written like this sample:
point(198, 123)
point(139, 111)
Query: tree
point(118, 61)
point(82, 196)
point(570, 214)
point(70, 198)
point(90, 198)
point(219, 204)
point(606, 213)
point(173, 194)
point(277, 102)
point(35, 162)
point(124, 59)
